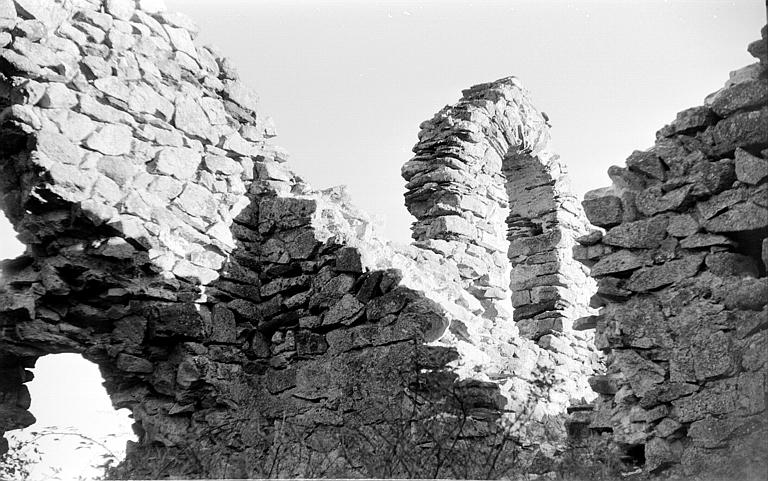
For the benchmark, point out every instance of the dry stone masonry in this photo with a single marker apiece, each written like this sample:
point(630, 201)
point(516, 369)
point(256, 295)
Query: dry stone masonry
point(682, 286)
point(258, 327)
point(253, 325)
point(488, 193)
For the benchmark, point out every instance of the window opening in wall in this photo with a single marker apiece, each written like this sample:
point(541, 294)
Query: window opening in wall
point(77, 431)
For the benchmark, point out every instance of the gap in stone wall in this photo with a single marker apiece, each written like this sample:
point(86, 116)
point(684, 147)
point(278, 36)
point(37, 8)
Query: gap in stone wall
point(76, 423)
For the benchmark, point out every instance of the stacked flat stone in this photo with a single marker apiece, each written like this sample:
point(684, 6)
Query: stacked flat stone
point(488, 193)
point(255, 327)
point(681, 272)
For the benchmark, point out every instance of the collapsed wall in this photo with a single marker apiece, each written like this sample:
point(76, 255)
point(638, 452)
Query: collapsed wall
point(253, 325)
point(681, 271)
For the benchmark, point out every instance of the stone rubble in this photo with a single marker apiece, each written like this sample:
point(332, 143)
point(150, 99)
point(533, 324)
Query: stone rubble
point(682, 289)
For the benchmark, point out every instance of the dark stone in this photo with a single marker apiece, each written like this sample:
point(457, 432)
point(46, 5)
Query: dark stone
point(612, 288)
point(175, 320)
point(390, 303)
point(711, 432)
point(624, 179)
point(698, 241)
point(711, 178)
point(646, 233)
point(720, 397)
point(348, 260)
point(647, 163)
point(224, 328)
point(745, 293)
point(621, 261)
point(603, 384)
point(590, 239)
point(682, 225)
point(285, 212)
point(604, 211)
point(740, 217)
point(653, 200)
point(725, 264)
point(717, 204)
point(654, 277)
point(585, 323)
point(745, 129)
point(667, 392)
point(744, 95)
point(129, 363)
point(750, 169)
point(694, 118)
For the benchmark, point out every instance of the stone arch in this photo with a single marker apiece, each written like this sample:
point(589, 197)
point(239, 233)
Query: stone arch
point(487, 192)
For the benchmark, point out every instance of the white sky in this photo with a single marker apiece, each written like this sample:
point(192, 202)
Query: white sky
point(348, 82)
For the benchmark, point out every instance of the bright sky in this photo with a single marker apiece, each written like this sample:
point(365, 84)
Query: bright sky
point(348, 82)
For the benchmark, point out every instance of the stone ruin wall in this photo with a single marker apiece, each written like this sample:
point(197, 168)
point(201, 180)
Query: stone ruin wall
point(258, 327)
point(253, 325)
point(488, 192)
point(682, 288)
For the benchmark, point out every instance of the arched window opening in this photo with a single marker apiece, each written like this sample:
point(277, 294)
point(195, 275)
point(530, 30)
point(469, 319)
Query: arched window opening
point(77, 432)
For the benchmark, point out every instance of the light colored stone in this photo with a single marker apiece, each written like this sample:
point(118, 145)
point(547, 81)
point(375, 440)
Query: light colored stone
point(181, 40)
point(191, 118)
point(120, 9)
point(152, 6)
point(58, 96)
point(111, 140)
point(180, 162)
point(186, 269)
point(197, 201)
point(240, 94)
point(58, 148)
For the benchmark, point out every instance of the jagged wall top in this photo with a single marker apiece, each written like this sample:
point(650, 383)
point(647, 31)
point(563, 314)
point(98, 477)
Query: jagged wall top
point(169, 243)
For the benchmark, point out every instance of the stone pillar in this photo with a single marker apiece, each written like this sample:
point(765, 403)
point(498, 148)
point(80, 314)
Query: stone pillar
point(488, 194)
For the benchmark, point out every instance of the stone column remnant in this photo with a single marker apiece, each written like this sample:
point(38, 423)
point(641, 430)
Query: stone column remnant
point(487, 192)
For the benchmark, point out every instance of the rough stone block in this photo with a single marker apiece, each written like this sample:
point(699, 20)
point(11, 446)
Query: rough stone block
point(738, 218)
point(750, 169)
point(650, 278)
point(647, 163)
point(111, 140)
point(604, 211)
point(646, 233)
point(725, 264)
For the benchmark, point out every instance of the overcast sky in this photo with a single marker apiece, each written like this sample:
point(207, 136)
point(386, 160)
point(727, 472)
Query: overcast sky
point(348, 82)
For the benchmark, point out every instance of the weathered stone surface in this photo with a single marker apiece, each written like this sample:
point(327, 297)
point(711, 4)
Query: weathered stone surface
point(646, 233)
point(620, 261)
point(57, 148)
point(749, 168)
point(725, 264)
point(179, 162)
point(682, 225)
point(651, 201)
point(686, 326)
point(743, 95)
point(740, 217)
point(293, 317)
point(604, 211)
point(191, 118)
point(647, 163)
point(120, 9)
point(111, 140)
